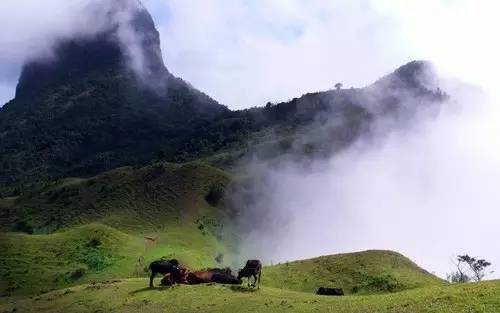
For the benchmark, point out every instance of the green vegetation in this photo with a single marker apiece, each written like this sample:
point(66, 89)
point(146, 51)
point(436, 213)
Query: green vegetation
point(79, 230)
point(31, 264)
point(130, 199)
point(357, 273)
point(133, 296)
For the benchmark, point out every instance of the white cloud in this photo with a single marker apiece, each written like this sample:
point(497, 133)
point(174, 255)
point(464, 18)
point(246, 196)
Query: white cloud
point(457, 35)
point(245, 53)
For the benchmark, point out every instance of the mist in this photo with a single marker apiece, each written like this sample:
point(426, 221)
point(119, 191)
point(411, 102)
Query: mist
point(428, 190)
point(31, 30)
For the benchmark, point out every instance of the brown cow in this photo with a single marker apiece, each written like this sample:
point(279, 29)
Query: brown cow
point(215, 275)
point(170, 279)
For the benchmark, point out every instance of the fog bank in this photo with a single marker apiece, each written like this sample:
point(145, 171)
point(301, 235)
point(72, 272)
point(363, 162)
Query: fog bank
point(428, 191)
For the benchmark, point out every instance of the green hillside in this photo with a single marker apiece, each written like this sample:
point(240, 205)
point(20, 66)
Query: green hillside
point(372, 271)
point(133, 296)
point(138, 200)
point(78, 230)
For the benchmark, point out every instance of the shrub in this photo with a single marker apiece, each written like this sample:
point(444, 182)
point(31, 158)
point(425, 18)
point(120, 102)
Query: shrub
point(215, 195)
point(94, 242)
point(24, 227)
point(78, 273)
point(384, 282)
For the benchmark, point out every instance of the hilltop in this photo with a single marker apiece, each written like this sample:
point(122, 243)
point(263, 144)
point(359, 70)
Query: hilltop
point(364, 272)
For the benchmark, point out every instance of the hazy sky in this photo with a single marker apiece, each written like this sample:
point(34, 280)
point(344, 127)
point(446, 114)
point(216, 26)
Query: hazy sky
point(243, 53)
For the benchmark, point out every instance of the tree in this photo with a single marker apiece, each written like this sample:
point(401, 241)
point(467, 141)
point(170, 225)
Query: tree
point(338, 86)
point(476, 266)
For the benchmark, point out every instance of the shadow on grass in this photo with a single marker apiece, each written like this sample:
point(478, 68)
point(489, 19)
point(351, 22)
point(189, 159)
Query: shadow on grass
point(146, 289)
point(242, 289)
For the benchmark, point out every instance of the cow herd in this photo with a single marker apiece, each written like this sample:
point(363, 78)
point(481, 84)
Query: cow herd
point(173, 273)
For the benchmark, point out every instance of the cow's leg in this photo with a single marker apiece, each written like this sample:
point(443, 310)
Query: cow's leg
point(258, 284)
point(153, 274)
point(248, 282)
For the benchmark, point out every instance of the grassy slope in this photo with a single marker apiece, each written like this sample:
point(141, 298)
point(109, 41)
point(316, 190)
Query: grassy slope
point(362, 272)
point(93, 229)
point(138, 200)
point(132, 296)
point(100, 224)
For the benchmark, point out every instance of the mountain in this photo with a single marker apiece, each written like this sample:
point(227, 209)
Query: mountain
point(97, 104)
point(105, 99)
point(322, 123)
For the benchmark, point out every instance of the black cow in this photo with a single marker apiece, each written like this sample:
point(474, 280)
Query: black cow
point(164, 267)
point(253, 268)
point(330, 291)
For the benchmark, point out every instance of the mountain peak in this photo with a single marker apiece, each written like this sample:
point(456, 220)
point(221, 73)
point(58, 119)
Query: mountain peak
point(139, 38)
point(125, 37)
point(104, 99)
point(415, 75)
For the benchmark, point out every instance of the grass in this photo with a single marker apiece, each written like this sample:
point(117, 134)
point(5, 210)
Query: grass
point(78, 230)
point(372, 271)
point(33, 264)
point(130, 199)
point(132, 295)
point(80, 247)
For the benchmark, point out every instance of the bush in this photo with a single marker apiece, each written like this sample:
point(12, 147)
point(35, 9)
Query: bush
point(457, 278)
point(94, 243)
point(78, 273)
point(384, 282)
point(215, 195)
point(24, 227)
